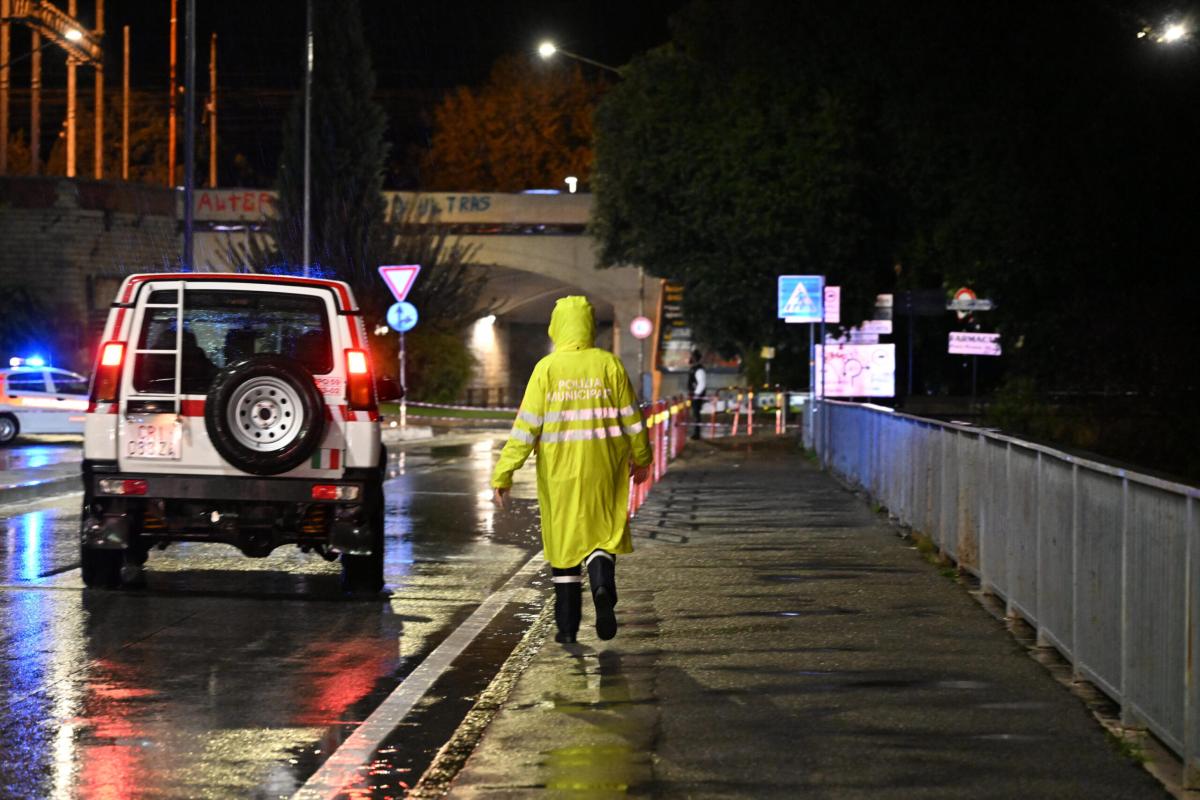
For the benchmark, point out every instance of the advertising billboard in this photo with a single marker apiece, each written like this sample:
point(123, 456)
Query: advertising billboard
point(857, 370)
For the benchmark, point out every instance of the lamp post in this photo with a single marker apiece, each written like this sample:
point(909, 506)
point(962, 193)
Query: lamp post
point(1169, 33)
point(548, 50)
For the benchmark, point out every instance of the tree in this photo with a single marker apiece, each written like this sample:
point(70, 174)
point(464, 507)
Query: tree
point(529, 126)
point(721, 163)
point(348, 151)
point(29, 324)
point(147, 142)
point(449, 293)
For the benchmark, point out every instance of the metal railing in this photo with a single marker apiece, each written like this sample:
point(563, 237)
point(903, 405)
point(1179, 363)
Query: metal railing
point(1103, 561)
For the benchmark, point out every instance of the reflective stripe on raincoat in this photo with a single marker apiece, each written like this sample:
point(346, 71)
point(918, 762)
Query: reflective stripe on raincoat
point(582, 416)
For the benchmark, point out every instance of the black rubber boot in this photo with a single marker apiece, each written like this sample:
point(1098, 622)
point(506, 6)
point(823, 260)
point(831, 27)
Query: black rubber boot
point(568, 604)
point(602, 575)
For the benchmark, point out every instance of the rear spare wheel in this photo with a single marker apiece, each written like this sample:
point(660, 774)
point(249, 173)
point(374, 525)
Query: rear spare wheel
point(264, 415)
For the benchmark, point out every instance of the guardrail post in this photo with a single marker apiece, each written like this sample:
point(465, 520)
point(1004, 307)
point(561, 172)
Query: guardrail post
point(1009, 539)
point(982, 545)
point(1191, 708)
point(1038, 580)
point(1075, 515)
point(1127, 716)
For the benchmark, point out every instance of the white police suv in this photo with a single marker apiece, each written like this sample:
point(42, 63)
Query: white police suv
point(236, 408)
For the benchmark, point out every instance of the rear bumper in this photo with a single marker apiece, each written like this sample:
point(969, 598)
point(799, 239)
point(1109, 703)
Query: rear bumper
point(223, 487)
point(254, 514)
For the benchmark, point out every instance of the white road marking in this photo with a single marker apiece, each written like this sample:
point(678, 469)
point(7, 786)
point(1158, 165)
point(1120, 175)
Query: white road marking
point(344, 765)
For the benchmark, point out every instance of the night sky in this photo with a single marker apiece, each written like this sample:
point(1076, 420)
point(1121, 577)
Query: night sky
point(419, 50)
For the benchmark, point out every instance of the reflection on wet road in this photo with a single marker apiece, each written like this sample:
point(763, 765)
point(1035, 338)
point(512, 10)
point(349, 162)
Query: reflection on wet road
point(35, 456)
point(236, 677)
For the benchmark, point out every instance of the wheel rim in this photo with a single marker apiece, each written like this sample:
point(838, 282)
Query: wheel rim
point(265, 414)
point(7, 429)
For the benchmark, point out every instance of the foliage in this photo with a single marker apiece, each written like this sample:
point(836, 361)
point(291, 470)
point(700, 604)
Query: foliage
point(448, 294)
point(28, 325)
point(439, 365)
point(449, 290)
point(148, 143)
point(1044, 160)
point(529, 126)
point(18, 154)
point(348, 151)
point(719, 164)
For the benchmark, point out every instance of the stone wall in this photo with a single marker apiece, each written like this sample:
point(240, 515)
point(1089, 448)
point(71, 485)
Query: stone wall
point(72, 241)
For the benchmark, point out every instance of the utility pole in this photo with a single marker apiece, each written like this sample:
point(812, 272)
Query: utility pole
point(98, 147)
point(172, 91)
point(308, 72)
point(212, 113)
point(45, 19)
point(73, 12)
point(189, 132)
point(125, 106)
point(35, 105)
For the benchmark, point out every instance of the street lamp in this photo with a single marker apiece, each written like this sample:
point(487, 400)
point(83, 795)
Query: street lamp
point(1170, 33)
point(1174, 33)
point(548, 49)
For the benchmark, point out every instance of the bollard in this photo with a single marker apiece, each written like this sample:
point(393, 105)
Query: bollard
point(712, 416)
point(750, 416)
point(779, 414)
point(737, 413)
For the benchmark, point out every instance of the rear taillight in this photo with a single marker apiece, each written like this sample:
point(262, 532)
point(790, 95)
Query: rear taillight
point(108, 373)
point(360, 395)
point(334, 491)
point(122, 486)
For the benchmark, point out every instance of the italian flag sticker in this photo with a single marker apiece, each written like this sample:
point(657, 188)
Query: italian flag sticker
point(326, 459)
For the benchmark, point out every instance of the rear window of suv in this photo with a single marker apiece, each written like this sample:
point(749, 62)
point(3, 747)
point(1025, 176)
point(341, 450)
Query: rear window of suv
point(223, 327)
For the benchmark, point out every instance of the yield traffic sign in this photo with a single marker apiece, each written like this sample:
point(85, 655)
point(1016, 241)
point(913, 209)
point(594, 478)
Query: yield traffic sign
point(399, 279)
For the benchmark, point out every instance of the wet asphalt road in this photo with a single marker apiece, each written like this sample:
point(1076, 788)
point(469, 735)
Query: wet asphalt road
point(236, 677)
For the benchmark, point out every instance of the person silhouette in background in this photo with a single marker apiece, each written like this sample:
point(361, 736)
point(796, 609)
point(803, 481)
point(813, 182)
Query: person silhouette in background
point(697, 383)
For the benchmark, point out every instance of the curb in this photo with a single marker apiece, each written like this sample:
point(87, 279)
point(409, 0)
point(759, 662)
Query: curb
point(35, 490)
point(444, 768)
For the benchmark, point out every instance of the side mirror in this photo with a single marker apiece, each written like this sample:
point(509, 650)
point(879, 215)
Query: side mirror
point(387, 390)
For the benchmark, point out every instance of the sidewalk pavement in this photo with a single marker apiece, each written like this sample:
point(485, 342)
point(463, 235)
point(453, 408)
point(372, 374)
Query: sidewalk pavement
point(778, 639)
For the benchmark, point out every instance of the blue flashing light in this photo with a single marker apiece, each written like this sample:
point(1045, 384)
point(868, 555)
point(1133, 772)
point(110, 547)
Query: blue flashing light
point(31, 361)
point(541, 191)
point(297, 271)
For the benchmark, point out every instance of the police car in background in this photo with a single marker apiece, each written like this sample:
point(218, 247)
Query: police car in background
point(35, 398)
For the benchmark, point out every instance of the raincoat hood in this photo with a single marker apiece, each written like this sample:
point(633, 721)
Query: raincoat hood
point(573, 324)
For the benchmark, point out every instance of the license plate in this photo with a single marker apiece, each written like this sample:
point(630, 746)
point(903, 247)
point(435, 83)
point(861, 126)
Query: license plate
point(158, 436)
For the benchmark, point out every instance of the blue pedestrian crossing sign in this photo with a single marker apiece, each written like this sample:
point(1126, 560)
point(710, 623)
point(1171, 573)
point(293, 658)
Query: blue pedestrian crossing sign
point(802, 298)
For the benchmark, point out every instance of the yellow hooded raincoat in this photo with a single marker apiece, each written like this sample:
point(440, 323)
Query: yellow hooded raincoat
point(582, 416)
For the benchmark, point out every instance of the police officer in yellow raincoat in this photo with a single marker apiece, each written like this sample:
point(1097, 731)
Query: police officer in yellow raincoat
point(582, 417)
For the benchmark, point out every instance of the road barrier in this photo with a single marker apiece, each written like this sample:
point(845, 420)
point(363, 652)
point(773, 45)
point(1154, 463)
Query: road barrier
point(667, 425)
point(1102, 561)
point(739, 405)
